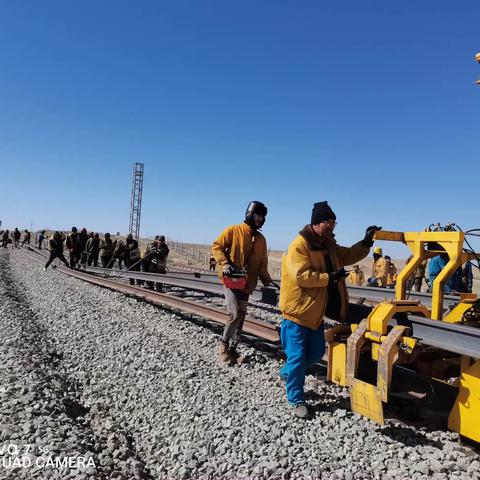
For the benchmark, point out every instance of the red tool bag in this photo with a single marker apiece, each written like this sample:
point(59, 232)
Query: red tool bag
point(237, 281)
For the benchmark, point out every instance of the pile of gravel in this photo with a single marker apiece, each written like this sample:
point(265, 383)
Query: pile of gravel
point(86, 371)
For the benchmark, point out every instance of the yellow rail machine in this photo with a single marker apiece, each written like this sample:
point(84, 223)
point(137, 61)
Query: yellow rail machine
point(403, 329)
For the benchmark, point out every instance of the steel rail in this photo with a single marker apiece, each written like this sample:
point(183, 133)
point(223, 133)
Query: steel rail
point(263, 330)
point(209, 282)
point(456, 338)
point(369, 293)
point(381, 294)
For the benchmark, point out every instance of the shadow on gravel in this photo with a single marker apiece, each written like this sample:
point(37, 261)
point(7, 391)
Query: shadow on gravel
point(409, 437)
point(74, 409)
point(328, 404)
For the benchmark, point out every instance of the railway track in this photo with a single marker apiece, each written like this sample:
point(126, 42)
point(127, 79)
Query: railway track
point(457, 338)
point(265, 331)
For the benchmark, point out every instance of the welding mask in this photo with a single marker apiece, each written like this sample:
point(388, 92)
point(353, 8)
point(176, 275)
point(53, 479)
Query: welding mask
point(255, 208)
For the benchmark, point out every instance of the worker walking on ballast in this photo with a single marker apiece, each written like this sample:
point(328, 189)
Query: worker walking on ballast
point(55, 247)
point(313, 286)
point(241, 255)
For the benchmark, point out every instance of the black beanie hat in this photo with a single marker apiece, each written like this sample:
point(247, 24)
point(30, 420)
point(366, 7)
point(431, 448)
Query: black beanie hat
point(322, 212)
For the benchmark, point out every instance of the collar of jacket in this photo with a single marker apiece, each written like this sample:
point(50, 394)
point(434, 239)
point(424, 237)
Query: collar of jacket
point(314, 241)
point(249, 229)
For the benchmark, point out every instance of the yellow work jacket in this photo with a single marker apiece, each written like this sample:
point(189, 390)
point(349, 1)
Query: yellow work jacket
point(244, 249)
point(356, 278)
point(380, 272)
point(391, 275)
point(304, 288)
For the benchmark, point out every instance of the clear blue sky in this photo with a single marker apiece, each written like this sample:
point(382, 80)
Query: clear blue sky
point(369, 105)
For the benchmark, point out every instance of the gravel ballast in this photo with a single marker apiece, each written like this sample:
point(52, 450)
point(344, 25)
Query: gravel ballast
point(137, 392)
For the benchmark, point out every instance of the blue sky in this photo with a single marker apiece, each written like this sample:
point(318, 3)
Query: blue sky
point(369, 105)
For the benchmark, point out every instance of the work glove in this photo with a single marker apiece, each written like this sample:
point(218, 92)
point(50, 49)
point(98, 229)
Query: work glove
point(334, 277)
point(368, 240)
point(227, 270)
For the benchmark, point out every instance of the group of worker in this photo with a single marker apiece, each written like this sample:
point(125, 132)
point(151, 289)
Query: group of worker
point(86, 248)
point(384, 274)
point(14, 238)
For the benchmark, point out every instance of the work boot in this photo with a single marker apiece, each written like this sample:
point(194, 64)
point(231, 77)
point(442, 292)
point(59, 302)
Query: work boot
point(301, 411)
point(235, 357)
point(223, 353)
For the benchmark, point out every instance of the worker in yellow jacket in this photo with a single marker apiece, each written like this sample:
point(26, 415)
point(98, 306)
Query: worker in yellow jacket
point(379, 269)
point(313, 286)
point(391, 272)
point(356, 276)
point(240, 250)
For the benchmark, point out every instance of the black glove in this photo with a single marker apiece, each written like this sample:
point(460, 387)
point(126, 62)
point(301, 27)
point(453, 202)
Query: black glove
point(368, 240)
point(334, 277)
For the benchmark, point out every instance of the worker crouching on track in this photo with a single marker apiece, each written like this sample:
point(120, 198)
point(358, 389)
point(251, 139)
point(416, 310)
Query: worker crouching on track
point(240, 248)
point(313, 286)
point(356, 276)
point(55, 247)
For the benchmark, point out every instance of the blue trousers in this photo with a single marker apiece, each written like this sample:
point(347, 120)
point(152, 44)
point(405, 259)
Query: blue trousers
point(303, 347)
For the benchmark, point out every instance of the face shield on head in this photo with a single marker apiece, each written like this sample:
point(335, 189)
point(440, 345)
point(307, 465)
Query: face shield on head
point(255, 208)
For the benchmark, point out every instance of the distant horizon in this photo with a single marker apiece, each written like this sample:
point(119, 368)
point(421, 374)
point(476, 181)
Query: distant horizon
point(169, 239)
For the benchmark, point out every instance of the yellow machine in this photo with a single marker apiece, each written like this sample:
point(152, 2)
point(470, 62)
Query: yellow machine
point(384, 339)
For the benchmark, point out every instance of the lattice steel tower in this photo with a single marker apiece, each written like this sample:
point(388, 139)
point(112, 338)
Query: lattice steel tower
point(136, 203)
